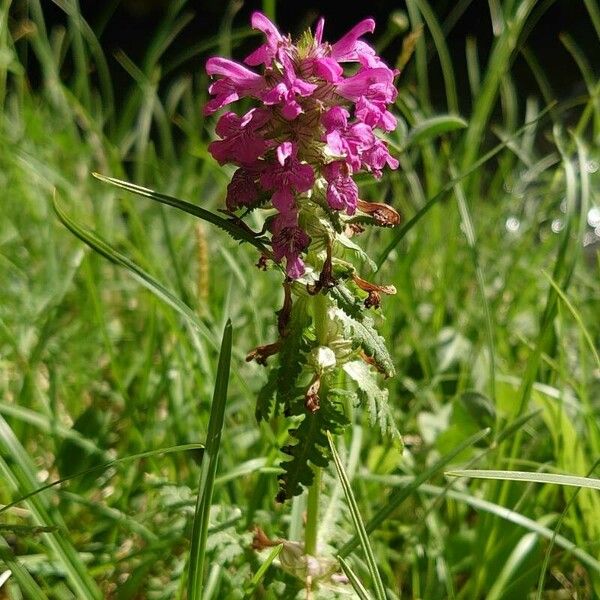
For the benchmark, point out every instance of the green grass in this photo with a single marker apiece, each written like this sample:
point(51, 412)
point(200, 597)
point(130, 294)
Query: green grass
point(108, 368)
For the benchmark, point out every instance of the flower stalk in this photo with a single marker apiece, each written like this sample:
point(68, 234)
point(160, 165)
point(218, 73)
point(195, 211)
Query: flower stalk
point(313, 125)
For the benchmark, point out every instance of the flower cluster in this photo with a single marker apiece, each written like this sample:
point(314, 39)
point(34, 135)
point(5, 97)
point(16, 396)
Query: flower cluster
point(313, 130)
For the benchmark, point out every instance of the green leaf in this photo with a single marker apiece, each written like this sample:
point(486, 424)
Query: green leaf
point(434, 127)
point(282, 382)
point(235, 230)
point(365, 336)
point(311, 447)
point(347, 243)
point(375, 398)
point(347, 301)
point(358, 522)
point(571, 480)
point(209, 469)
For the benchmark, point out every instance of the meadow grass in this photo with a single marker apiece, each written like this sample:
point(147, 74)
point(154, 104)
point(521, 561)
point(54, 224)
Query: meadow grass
point(110, 376)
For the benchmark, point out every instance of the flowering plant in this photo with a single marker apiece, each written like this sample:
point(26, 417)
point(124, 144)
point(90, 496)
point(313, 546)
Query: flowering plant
point(296, 151)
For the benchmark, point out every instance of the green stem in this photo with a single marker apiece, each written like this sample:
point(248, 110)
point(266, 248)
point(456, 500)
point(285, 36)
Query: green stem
point(312, 515)
point(320, 306)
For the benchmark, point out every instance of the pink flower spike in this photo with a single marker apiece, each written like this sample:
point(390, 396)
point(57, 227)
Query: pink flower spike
point(345, 49)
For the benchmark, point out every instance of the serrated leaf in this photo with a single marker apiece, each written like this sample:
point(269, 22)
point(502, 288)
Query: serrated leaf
point(292, 355)
point(365, 336)
point(375, 398)
point(265, 397)
point(312, 447)
point(347, 301)
point(347, 243)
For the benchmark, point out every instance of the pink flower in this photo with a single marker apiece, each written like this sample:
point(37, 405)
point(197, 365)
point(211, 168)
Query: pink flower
point(376, 157)
point(342, 191)
point(288, 241)
point(308, 112)
point(372, 89)
point(264, 54)
point(375, 114)
point(235, 83)
point(349, 48)
point(242, 142)
point(287, 91)
point(242, 189)
point(288, 173)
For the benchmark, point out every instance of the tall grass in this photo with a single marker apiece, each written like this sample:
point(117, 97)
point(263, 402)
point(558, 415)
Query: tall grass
point(108, 385)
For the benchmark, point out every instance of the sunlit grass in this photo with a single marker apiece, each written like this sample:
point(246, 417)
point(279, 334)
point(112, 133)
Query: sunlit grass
point(495, 325)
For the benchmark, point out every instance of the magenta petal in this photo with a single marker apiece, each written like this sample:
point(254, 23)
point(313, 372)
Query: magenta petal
point(294, 267)
point(283, 200)
point(345, 46)
point(284, 151)
point(328, 69)
point(242, 190)
point(262, 23)
point(291, 110)
point(234, 71)
point(319, 31)
point(335, 118)
point(261, 56)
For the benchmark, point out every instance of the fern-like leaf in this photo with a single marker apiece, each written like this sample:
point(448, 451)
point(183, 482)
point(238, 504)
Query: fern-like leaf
point(292, 356)
point(311, 448)
point(365, 336)
point(374, 397)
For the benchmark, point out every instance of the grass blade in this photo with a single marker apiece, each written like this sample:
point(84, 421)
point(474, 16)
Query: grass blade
point(232, 228)
point(403, 493)
point(434, 127)
point(26, 582)
point(572, 480)
point(103, 467)
point(358, 522)
point(103, 248)
point(209, 469)
point(437, 197)
point(359, 588)
point(518, 519)
point(16, 467)
point(249, 591)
